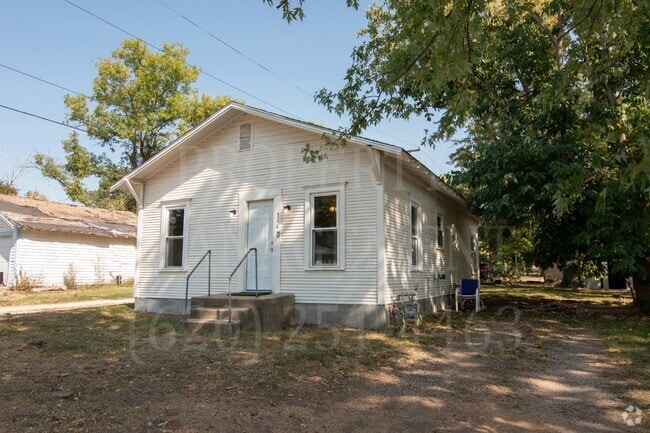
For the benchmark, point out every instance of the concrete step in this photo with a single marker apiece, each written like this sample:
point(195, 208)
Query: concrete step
point(218, 327)
point(242, 314)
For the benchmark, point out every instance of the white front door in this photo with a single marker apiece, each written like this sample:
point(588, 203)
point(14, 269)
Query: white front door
point(260, 236)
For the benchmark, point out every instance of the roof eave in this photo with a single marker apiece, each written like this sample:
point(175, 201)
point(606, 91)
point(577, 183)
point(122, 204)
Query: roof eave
point(12, 225)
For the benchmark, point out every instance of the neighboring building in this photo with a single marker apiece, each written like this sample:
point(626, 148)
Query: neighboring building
point(346, 236)
point(41, 239)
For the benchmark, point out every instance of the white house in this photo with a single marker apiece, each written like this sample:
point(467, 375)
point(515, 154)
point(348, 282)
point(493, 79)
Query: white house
point(345, 236)
point(40, 240)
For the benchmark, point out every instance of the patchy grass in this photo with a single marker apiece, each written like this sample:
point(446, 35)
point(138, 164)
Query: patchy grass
point(605, 312)
point(84, 293)
point(535, 294)
point(112, 369)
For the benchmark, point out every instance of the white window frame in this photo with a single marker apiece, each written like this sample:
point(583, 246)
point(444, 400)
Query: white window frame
point(239, 137)
point(417, 266)
point(165, 208)
point(440, 231)
point(310, 193)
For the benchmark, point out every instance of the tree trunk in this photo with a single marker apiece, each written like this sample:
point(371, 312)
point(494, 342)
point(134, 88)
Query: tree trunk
point(641, 283)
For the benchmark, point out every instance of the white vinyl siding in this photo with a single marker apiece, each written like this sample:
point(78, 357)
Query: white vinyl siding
point(453, 261)
point(214, 174)
point(473, 253)
point(47, 255)
point(440, 231)
point(5, 253)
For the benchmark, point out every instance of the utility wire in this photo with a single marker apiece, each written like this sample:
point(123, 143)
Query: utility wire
point(200, 69)
point(42, 80)
point(255, 62)
point(242, 54)
point(47, 119)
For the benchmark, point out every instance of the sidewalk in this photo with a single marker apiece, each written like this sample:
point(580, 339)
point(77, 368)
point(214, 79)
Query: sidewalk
point(30, 309)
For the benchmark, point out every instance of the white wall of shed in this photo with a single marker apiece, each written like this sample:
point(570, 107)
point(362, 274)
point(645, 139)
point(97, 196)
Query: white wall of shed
point(46, 256)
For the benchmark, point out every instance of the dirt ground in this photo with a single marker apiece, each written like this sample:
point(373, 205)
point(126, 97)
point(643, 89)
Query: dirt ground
point(71, 372)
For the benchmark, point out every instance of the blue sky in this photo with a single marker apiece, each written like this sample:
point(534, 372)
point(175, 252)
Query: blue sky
point(58, 42)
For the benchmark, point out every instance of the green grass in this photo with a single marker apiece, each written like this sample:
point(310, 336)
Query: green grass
point(85, 293)
point(539, 293)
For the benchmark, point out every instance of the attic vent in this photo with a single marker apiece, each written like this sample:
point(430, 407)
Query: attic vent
point(245, 136)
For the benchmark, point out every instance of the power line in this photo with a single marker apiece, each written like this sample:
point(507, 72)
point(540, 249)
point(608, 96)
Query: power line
point(159, 50)
point(47, 119)
point(250, 59)
point(44, 81)
point(242, 54)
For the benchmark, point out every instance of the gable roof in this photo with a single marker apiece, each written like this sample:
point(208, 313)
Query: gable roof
point(25, 213)
point(227, 113)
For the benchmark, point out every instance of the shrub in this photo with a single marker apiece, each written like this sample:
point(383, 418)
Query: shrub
point(25, 283)
point(70, 278)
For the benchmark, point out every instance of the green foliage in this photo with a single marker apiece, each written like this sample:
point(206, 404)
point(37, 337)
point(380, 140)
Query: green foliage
point(552, 97)
point(506, 250)
point(141, 101)
point(8, 188)
point(35, 195)
point(293, 10)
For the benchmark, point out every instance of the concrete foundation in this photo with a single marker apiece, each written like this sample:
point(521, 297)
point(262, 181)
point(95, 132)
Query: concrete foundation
point(161, 306)
point(278, 310)
point(355, 316)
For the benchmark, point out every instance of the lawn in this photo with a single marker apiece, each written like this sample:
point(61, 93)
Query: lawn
point(514, 367)
point(604, 312)
point(83, 293)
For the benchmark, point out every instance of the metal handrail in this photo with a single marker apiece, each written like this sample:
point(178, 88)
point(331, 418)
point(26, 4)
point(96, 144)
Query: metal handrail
point(187, 280)
point(233, 273)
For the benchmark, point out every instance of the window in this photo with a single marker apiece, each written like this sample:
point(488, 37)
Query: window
point(440, 231)
point(325, 245)
point(416, 235)
point(246, 136)
point(174, 236)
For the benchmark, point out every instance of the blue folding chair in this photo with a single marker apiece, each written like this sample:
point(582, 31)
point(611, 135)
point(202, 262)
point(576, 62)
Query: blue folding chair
point(470, 289)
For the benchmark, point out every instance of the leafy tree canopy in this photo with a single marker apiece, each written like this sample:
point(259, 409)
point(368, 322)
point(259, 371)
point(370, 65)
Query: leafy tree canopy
point(141, 101)
point(552, 97)
point(8, 188)
point(292, 10)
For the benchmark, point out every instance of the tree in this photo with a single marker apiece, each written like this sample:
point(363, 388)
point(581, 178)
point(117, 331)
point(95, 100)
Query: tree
point(35, 195)
point(293, 10)
point(8, 184)
point(8, 188)
point(141, 101)
point(553, 99)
